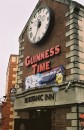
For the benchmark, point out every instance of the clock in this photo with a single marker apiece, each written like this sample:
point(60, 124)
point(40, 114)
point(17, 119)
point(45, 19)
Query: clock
point(39, 24)
point(13, 90)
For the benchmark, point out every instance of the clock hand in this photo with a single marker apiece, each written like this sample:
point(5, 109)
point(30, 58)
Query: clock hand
point(36, 33)
point(38, 26)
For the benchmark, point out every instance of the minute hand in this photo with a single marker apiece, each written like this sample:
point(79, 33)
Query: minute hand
point(38, 26)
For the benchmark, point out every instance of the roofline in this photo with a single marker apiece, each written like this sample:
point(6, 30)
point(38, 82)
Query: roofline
point(67, 2)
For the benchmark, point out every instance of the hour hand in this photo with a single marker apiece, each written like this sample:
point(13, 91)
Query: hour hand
point(38, 26)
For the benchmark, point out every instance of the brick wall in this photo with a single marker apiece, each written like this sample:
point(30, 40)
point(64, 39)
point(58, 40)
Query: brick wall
point(56, 37)
point(7, 112)
point(59, 121)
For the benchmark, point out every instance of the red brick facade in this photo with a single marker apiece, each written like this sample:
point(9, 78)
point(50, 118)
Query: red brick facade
point(58, 116)
point(7, 109)
point(56, 37)
point(64, 111)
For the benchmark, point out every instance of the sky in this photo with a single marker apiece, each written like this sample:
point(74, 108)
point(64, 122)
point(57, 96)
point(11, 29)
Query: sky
point(13, 16)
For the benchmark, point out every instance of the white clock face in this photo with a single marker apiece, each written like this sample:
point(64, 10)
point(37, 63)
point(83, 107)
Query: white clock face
point(38, 25)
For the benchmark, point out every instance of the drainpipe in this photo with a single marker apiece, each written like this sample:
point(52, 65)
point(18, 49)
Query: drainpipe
point(77, 116)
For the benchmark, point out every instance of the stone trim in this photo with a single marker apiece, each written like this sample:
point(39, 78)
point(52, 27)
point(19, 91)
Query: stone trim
point(76, 16)
point(21, 41)
point(81, 109)
point(20, 73)
point(18, 77)
point(77, 71)
point(81, 13)
point(11, 109)
point(75, 43)
point(21, 45)
point(71, 21)
point(75, 26)
point(72, 31)
point(72, 53)
point(72, 42)
point(74, 123)
point(69, 66)
point(69, 12)
point(71, 116)
point(71, 128)
point(10, 124)
point(74, 65)
point(21, 56)
point(76, 36)
point(11, 116)
point(20, 64)
point(73, 77)
point(73, 109)
point(76, 47)
point(18, 69)
point(21, 48)
point(77, 59)
point(19, 81)
point(19, 61)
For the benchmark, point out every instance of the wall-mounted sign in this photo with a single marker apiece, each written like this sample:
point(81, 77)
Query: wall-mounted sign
point(40, 97)
point(34, 60)
point(38, 80)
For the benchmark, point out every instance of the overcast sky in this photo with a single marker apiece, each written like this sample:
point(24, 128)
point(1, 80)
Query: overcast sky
point(13, 16)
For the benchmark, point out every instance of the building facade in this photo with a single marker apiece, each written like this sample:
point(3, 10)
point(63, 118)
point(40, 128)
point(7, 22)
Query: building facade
point(7, 108)
point(0, 114)
point(51, 68)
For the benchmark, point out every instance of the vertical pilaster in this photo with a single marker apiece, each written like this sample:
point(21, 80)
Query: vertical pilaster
point(75, 43)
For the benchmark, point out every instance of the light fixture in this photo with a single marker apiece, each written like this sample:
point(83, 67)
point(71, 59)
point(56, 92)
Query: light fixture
point(67, 87)
point(13, 94)
point(4, 98)
point(55, 90)
point(38, 110)
point(75, 63)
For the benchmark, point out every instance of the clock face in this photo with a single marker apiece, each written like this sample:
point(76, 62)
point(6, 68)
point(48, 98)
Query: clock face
point(38, 25)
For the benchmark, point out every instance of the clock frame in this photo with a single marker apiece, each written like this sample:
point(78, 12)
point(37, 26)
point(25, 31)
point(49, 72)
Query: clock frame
point(39, 24)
